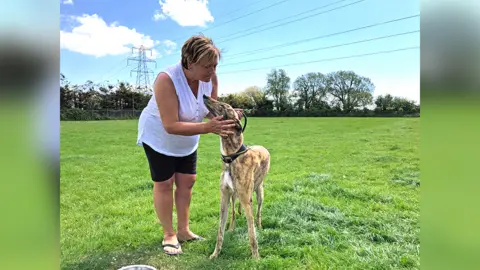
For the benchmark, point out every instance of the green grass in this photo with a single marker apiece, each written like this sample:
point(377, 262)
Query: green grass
point(341, 193)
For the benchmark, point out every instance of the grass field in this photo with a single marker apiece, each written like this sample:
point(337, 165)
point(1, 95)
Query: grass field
point(341, 193)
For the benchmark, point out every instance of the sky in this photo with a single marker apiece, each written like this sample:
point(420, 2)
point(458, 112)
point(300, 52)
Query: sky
point(300, 36)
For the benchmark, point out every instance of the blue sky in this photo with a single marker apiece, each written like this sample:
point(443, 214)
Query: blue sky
point(97, 36)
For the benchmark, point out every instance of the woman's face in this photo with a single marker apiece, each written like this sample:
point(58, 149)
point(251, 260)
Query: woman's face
point(204, 69)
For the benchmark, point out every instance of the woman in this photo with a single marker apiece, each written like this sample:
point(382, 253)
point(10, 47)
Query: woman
point(169, 129)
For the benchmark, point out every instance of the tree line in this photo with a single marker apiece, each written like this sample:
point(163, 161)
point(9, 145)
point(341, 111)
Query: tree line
point(339, 93)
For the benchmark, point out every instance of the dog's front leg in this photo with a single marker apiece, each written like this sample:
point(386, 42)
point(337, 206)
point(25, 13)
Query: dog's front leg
point(239, 209)
point(245, 200)
point(260, 197)
point(232, 220)
point(224, 205)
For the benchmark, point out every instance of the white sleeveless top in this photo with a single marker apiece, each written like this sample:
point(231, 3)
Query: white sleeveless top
point(191, 109)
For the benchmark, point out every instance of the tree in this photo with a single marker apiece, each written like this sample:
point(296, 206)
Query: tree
point(390, 103)
point(278, 85)
point(384, 103)
point(310, 90)
point(124, 96)
point(66, 93)
point(314, 94)
point(106, 93)
point(259, 98)
point(403, 104)
point(350, 91)
point(238, 100)
point(364, 99)
point(254, 93)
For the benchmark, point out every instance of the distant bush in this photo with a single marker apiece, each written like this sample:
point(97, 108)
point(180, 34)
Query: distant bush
point(76, 114)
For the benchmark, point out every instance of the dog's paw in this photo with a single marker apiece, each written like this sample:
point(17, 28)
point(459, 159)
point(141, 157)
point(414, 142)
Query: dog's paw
point(213, 256)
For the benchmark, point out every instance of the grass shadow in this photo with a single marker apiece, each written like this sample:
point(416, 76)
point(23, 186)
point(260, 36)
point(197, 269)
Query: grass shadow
point(147, 186)
point(117, 259)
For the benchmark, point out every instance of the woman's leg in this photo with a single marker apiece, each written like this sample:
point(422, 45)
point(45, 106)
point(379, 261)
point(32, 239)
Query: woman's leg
point(162, 170)
point(183, 195)
point(185, 177)
point(163, 202)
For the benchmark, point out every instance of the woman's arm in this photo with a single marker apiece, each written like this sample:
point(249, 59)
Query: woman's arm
point(214, 94)
point(167, 102)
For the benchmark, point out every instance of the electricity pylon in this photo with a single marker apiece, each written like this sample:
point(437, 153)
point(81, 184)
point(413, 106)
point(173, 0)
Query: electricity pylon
point(142, 70)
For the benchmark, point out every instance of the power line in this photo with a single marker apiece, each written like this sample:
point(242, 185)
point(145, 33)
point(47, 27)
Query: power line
point(234, 19)
point(303, 18)
point(117, 72)
point(301, 13)
point(324, 60)
point(247, 5)
point(253, 12)
point(100, 78)
point(305, 40)
point(323, 48)
point(275, 26)
point(251, 4)
point(248, 14)
point(318, 37)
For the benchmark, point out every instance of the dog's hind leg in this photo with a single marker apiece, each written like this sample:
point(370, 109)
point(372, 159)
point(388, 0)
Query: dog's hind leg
point(265, 167)
point(259, 207)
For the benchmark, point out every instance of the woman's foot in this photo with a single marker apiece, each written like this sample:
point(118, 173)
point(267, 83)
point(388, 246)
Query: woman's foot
point(171, 245)
point(188, 236)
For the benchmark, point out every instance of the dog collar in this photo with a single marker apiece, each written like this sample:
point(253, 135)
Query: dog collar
point(232, 157)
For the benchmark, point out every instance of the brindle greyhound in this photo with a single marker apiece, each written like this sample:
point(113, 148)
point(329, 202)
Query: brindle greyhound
point(244, 169)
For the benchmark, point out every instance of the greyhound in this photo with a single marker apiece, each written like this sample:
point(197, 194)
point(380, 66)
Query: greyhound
point(243, 171)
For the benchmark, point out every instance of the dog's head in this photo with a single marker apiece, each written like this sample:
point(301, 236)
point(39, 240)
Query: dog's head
point(218, 108)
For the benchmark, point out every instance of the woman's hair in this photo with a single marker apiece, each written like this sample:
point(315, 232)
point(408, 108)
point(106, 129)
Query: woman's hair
point(199, 47)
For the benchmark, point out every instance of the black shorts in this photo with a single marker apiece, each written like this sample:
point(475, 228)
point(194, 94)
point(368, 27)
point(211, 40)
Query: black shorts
point(162, 167)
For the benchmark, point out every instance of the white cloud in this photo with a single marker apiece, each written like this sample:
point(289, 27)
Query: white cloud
point(184, 12)
point(67, 2)
point(169, 46)
point(91, 35)
point(158, 16)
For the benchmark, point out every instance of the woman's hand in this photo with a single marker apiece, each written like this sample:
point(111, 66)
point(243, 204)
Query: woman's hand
point(220, 127)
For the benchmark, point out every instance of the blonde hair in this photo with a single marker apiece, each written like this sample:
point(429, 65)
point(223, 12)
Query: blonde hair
point(197, 48)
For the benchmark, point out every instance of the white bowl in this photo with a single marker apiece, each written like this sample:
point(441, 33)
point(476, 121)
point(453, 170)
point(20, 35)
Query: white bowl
point(138, 267)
